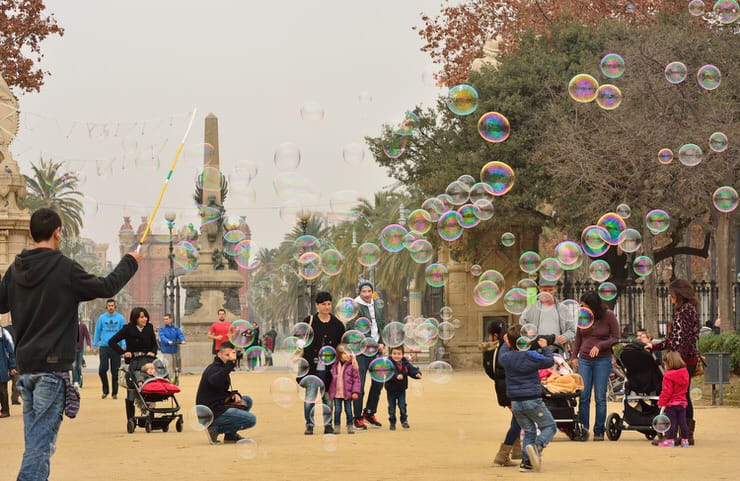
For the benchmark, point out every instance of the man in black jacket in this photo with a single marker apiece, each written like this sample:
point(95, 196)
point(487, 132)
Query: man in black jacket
point(214, 389)
point(42, 290)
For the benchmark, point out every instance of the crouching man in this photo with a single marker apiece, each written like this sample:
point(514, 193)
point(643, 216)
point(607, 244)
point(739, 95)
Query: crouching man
point(231, 410)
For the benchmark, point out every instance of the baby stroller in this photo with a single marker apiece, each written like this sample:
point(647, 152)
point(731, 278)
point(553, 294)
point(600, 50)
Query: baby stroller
point(154, 396)
point(563, 405)
point(642, 387)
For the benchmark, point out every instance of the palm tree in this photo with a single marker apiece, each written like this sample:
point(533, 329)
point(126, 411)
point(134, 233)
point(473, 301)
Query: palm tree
point(51, 187)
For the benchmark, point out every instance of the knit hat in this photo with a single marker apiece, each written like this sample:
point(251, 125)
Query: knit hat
point(365, 284)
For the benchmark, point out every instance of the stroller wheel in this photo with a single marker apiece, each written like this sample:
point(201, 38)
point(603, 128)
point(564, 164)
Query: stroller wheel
point(165, 427)
point(148, 426)
point(130, 426)
point(178, 425)
point(613, 427)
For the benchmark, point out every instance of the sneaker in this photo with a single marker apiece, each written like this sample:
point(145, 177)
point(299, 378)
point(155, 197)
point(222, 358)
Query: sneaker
point(598, 437)
point(232, 438)
point(4, 415)
point(328, 429)
point(115, 396)
point(405, 425)
point(350, 429)
point(684, 443)
point(105, 395)
point(535, 456)
point(212, 435)
point(393, 427)
point(667, 443)
point(372, 419)
point(360, 424)
point(308, 431)
point(525, 467)
point(337, 429)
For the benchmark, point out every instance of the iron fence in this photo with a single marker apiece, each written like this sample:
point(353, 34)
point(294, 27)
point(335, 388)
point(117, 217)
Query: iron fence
point(629, 305)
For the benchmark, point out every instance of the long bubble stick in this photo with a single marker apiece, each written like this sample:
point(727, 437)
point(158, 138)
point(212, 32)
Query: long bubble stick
point(166, 182)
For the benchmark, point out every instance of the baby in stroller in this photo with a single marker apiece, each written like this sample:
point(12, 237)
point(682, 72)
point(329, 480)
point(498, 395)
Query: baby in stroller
point(149, 390)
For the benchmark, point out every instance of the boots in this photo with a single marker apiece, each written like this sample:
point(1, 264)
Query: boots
point(503, 456)
point(692, 425)
point(516, 449)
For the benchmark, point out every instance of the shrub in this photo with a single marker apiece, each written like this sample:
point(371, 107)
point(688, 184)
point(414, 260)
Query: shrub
point(723, 343)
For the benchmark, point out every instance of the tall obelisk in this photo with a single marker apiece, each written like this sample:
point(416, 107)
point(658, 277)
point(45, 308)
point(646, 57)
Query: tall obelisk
point(211, 286)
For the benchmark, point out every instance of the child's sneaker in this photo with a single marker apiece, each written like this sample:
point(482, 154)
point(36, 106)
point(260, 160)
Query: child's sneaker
point(525, 467)
point(667, 443)
point(684, 443)
point(535, 456)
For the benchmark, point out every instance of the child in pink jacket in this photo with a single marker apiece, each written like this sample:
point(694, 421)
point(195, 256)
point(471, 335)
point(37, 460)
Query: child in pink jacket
point(344, 387)
point(673, 398)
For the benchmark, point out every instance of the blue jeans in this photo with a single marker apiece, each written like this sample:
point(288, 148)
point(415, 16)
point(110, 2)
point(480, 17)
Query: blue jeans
point(234, 419)
point(532, 414)
point(338, 403)
point(514, 431)
point(108, 355)
point(397, 397)
point(43, 405)
point(308, 407)
point(371, 407)
point(595, 373)
point(77, 367)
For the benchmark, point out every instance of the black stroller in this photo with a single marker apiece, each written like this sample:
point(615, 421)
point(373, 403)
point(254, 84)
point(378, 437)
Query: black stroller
point(642, 388)
point(158, 409)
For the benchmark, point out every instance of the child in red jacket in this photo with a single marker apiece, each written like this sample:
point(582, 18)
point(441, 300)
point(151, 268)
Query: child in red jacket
point(345, 387)
point(673, 398)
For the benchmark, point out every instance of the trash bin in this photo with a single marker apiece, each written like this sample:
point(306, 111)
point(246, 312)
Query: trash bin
point(717, 370)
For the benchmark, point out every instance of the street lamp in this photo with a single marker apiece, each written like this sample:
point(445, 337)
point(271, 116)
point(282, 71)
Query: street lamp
point(171, 281)
point(303, 307)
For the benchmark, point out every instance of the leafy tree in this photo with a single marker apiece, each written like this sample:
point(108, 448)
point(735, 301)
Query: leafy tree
point(51, 187)
point(455, 37)
point(23, 26)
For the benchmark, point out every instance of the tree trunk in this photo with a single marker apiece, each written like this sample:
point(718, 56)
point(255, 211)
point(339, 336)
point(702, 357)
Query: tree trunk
point(651, 295)
point(724, 272)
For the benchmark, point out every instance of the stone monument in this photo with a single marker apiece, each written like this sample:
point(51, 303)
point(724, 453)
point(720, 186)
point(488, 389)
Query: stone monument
point(213, 285)
point(14, 235)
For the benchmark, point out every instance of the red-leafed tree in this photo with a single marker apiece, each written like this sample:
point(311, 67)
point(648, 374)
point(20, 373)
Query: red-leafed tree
point(23, 26)
point(455, 37)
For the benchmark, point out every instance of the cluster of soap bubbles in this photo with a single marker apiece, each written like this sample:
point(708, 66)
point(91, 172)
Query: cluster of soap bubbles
point(584, 88)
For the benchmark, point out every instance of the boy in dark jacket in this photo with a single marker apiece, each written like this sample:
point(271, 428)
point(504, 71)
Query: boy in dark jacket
point(525, 391)
point(396, 386)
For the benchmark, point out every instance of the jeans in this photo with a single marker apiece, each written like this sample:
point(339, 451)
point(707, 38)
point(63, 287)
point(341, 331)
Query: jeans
point(108, 355)
point(689, 405)
point(595, 373)
point(338, 403)
point(308, 408)
point(234, 419)
point(43, 405)
point(371, 407)
point(514, 431)
point(77, 367)
point(4, 404)
point(532, 414)
point(397, 397)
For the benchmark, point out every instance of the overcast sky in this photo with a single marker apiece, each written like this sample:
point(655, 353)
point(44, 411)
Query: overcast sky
point(126, 75)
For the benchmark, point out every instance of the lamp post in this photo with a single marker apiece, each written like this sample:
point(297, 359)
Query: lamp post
point(171, 281)
point(303, 308)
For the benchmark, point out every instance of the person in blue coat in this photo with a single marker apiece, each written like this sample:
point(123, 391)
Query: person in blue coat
point(7, 371)
point(525, 391)
point(170, 337)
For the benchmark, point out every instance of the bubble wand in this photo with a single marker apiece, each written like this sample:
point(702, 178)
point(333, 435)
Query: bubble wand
point(166, 182)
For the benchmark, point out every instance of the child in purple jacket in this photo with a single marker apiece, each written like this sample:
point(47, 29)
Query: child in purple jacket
point(344, 387)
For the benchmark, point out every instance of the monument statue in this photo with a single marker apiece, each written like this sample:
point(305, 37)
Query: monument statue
point(211, 286)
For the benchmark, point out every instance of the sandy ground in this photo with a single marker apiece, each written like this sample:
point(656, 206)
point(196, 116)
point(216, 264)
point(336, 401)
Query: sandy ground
point(455, 431)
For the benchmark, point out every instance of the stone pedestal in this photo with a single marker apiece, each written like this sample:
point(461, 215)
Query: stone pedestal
point(207, 291)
